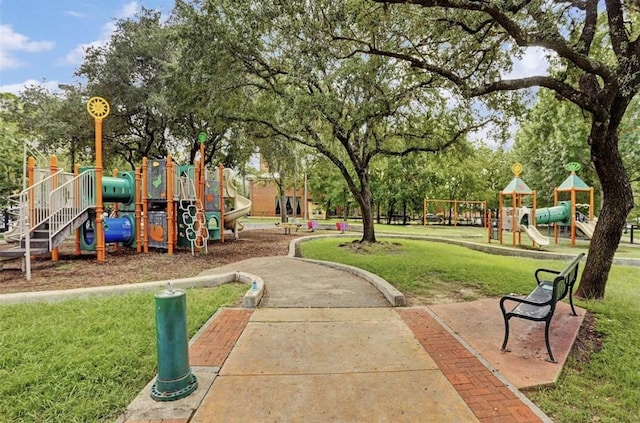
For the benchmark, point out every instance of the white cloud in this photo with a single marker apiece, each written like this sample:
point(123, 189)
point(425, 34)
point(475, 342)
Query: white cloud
point(20, 87)
point(13, 41)
point(128, 10)
point(533, 62)
point(75, 14)
point(76, 56)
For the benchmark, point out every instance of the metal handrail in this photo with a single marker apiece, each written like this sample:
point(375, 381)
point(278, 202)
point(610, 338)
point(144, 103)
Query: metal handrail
point(33, 202)
point(70, 200)
point(12, 231)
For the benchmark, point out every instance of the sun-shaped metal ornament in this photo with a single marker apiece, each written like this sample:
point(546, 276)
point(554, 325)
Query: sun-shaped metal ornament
point(516, 168)
point(98, 107)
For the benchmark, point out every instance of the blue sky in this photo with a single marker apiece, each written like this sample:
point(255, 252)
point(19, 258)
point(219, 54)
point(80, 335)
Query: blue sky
point(45, 39)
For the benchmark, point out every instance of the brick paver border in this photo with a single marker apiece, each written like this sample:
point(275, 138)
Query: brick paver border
point(213, 345)
point(489, 399)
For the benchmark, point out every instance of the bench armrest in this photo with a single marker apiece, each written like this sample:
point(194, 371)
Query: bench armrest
point(549, 271)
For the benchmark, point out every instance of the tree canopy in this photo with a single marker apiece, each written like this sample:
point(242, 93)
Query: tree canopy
point(306, 89)
point(475, 58)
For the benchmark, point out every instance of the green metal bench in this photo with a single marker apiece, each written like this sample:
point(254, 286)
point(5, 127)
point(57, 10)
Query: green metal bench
point(551, 286)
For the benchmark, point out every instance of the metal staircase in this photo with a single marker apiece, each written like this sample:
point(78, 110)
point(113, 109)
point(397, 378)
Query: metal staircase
point(49, 211)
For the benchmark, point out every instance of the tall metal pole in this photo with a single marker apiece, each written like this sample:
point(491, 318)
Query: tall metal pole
point(99, 109)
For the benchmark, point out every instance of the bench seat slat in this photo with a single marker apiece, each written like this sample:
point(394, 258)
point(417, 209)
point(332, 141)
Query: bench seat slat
point(541, 295)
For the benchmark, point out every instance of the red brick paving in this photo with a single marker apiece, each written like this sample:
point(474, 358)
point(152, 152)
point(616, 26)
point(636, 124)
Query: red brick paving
point(215, 343)
point(489, 399)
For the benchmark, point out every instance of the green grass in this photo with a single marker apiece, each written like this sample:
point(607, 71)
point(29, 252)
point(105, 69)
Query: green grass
point(608, 387)
point(85, 360)
point(603, 387)
point(480, 235)
point(418, 267)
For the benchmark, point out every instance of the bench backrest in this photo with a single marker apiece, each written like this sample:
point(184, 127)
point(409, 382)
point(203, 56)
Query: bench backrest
point(563, 283)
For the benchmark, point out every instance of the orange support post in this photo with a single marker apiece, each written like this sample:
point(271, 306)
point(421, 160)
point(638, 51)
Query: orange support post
point(500, 217)
point(573, 217)
point(100, 247)
point(203, 176)
point(138, 208)
point(221, 198)
point(31, 168)
point(145, 206)
point(170, 216)
point(196, 183)
point(514, 217)
point(98, 108)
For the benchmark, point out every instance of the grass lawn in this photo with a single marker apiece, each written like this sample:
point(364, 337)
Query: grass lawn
point(85, 360)
point(603, 387)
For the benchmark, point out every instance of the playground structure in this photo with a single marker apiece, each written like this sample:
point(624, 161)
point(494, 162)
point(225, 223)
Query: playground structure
point(519, 218)
point(159, 205)
point(460, 211)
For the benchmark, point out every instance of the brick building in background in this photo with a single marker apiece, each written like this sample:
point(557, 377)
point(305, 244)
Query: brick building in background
point(265, 198)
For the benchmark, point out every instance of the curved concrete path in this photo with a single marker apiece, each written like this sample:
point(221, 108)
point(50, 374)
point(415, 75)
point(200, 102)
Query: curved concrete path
point(325, 345)
point(291, 282)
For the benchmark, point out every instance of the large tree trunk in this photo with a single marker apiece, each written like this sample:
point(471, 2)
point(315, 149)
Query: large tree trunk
point(364, 201)
point(617, 202)
point(368, 231)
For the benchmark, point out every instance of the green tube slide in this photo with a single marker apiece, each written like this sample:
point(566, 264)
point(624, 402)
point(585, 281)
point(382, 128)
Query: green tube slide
point(557, 214)
point(118, 190)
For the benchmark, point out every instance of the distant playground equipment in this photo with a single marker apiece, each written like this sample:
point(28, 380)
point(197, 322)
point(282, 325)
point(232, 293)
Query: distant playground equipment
point(159, 205)
point(519, 218)
point(467, 212)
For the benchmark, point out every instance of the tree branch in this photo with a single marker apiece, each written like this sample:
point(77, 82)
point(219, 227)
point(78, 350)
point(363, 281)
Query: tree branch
point(617, 32)
point(522, 38)
point(589, 28)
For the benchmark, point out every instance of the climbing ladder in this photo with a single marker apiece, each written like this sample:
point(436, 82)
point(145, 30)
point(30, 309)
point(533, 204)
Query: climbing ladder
point(195, 219)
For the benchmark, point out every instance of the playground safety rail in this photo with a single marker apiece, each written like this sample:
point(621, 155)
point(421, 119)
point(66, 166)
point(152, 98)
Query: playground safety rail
point(184, 186)
point(33, 205)
point(69, 201)
point(33, 202)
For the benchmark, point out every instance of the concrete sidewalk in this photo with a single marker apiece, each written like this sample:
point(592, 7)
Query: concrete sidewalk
point(325, 346)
